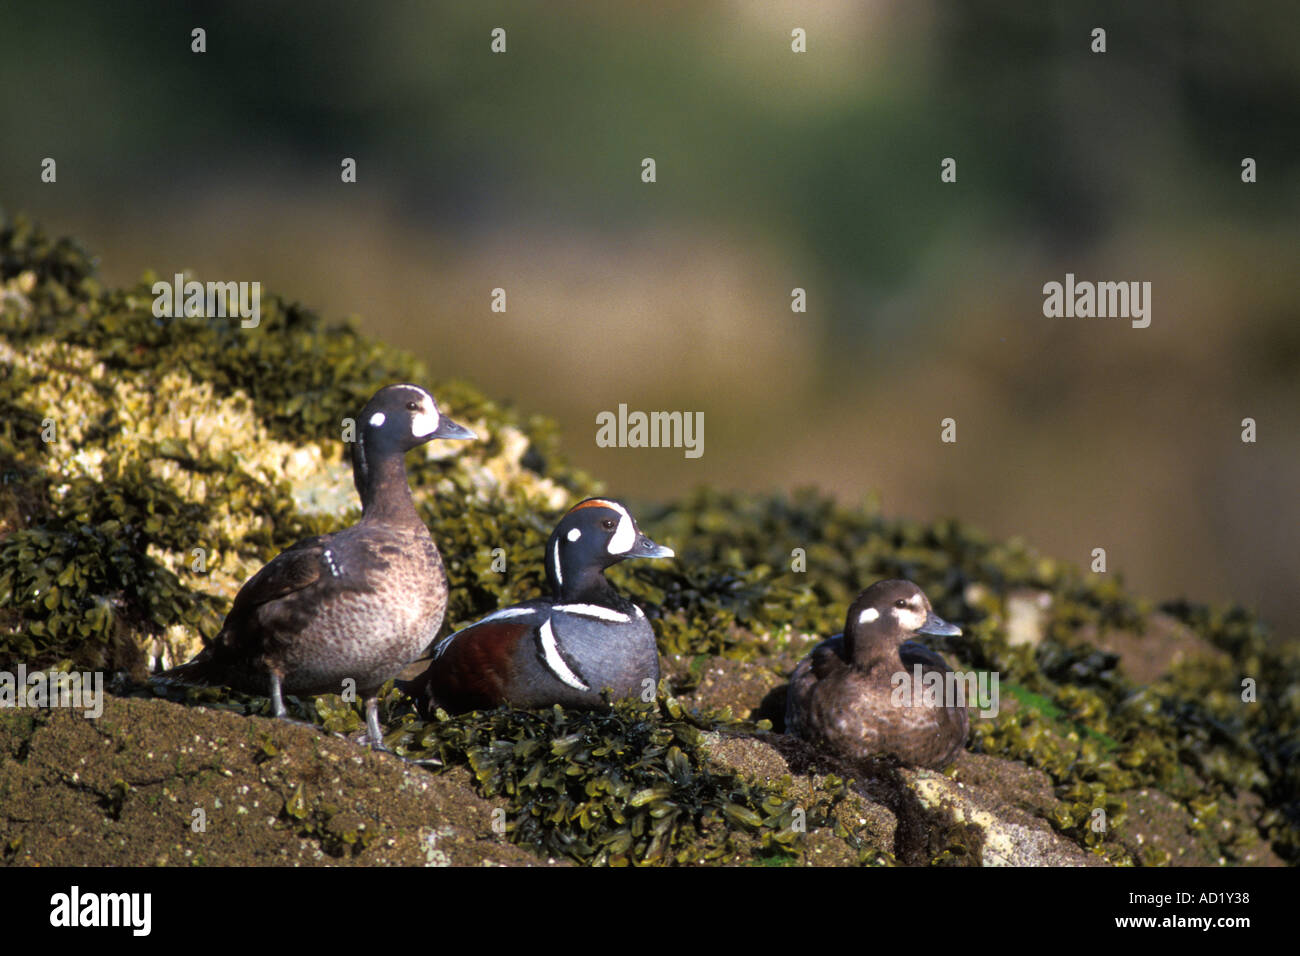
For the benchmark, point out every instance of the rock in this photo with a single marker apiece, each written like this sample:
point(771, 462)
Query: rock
point(998, 800)
point(1163, 832)
point(1024, 612)
point(899, 810)
point(1164, 645)
point(746, 687)
point(133, 787)
point(777, 759)
point(1027, 616)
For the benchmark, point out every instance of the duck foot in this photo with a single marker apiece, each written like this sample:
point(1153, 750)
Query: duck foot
point(302, 723)
point(375, 733)
point(280, 711)
point(426, 762)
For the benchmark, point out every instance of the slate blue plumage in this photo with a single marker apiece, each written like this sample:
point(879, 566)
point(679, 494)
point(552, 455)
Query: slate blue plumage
point(586, 639)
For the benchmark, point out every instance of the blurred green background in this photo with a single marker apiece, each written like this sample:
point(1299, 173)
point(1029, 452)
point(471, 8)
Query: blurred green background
point(775, 170)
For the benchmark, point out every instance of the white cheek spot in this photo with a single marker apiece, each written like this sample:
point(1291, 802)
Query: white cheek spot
point(574, 534)
point(869, 615)
point(377, 419)
point(424, 423)
point(625, 536)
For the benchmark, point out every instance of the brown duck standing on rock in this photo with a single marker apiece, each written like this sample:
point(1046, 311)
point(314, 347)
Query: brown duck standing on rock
point(845, 695)
point(359, 604)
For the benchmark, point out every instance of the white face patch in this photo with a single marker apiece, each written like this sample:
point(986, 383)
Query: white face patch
point(377, 419)
point(555, 562)
point(574, 534)
point(910, 618)
point(869, 615)
point(425, 421)
point(551, 653)
point(625, 536)
point(594, 610)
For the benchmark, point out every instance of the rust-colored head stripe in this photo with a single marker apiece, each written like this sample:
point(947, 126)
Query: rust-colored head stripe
point(595, 503)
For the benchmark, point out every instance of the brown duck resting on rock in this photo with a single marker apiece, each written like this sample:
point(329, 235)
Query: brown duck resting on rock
point(845, 696)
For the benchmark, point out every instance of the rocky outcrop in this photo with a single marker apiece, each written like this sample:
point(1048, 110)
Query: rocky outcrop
point(148, 467)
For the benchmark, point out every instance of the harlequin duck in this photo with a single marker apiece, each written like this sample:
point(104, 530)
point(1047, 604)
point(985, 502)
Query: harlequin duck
point(843, 694)
point(564, 651)
point(360, 603)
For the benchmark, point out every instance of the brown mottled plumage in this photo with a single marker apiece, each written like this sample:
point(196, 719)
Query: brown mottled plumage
point(359, 604)
point(843, 695)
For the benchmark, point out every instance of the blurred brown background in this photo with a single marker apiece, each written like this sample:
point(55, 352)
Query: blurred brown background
point(775, 170)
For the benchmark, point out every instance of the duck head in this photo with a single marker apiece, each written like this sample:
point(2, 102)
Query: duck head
point(887, 614)
point(594, 535)
point(396, 419)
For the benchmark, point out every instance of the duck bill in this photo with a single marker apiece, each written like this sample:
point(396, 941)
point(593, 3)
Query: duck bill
point(449, 429)
point(937, 626)
point(645, 548)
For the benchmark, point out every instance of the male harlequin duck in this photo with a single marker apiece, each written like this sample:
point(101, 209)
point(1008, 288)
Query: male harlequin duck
point(843, 694)
point(361, 603)
point(564, 651)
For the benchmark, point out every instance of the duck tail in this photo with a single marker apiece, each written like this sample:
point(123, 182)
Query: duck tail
point(195, 673)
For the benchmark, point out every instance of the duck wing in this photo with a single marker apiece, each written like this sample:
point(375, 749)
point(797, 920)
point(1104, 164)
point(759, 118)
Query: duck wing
point(912, 653)
point(829, 657)
point(265, 610)
point(474, 668)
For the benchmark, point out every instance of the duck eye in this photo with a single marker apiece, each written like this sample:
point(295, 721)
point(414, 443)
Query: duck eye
point(412, 406)
point(900, 603)
point(607, 524)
